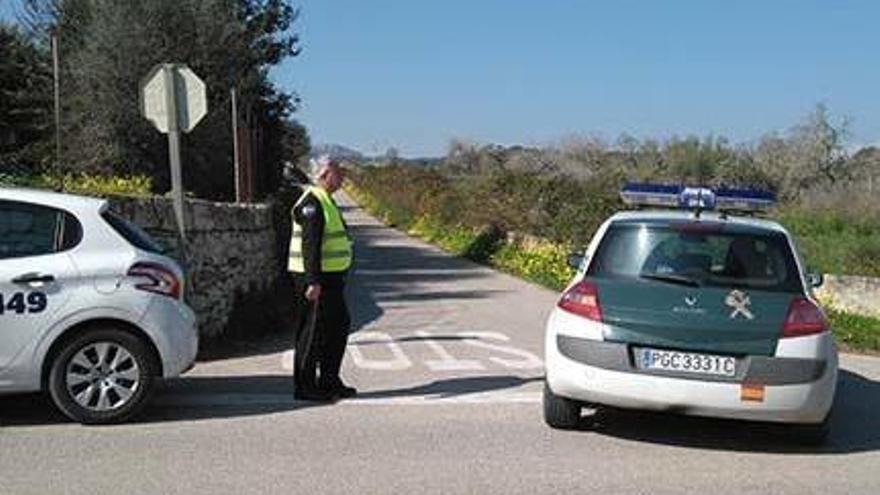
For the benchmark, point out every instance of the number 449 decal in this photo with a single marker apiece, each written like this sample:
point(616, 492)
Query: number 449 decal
point(21, 303)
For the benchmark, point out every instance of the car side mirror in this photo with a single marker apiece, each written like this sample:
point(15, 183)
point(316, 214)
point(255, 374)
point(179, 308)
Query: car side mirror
point(575, 260)
point(815, 280)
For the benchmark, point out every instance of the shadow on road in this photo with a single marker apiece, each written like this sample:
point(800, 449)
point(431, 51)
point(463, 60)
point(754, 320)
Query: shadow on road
point(454, 387)
point(855, 426)
point(391, 272)
point(415, 338)
point(200, 398)
point(182, 399)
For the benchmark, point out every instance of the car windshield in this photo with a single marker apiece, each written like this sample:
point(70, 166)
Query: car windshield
point(692, 257)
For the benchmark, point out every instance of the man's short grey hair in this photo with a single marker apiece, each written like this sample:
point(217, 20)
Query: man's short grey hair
point(322, 165)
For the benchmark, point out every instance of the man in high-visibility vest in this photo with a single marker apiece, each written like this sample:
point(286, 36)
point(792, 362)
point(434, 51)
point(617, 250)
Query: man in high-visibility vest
point(320, 257)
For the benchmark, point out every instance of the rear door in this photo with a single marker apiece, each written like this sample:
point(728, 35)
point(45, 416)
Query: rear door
point(35, 272)
point(700, 286)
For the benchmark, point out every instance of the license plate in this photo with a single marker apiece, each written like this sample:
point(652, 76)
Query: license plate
point(686, 362)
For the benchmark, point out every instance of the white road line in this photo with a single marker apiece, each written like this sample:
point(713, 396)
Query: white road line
point(397, 359)
point(446, 361)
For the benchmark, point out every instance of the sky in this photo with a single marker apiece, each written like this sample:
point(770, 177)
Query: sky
point(414, 74)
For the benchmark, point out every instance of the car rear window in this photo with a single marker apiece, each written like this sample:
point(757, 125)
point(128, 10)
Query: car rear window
point(132, 233)
point(704, 257)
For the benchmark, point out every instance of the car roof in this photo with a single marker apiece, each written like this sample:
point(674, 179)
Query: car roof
point(70, 202)
point(660, 216)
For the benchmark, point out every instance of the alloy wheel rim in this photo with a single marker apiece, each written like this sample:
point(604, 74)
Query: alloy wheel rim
point(102, 376)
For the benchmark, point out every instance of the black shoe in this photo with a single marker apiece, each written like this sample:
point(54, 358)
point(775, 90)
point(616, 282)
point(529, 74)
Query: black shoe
point(345, 392)
point(314, 395)
point(341, 390)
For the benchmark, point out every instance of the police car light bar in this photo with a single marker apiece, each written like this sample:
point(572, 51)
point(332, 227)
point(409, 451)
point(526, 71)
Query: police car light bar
point(697, 198)
point(744, 199)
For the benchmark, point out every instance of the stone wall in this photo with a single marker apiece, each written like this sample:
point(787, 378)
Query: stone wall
point(232, 261)
point(854, 294)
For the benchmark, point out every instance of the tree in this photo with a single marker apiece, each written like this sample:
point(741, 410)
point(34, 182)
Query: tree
point(462, 156)
point(109, 46)
point(25, 101)
point(392, 156)
point(811, 154)
point(700, 161)
point(821, 144)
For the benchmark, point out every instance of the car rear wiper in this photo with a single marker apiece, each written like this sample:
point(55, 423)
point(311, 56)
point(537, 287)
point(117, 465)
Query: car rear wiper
point(670, 278)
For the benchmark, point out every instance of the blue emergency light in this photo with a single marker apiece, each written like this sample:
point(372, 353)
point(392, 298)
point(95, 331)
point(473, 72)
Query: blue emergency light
point(696, 198)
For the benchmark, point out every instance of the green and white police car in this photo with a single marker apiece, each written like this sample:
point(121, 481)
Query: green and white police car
point(693, 310)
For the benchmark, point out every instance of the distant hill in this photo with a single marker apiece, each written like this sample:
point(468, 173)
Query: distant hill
point(341, 152)
point(337, 151)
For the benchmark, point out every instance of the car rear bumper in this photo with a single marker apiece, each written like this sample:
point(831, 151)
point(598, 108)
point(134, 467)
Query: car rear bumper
point(172, 324)
point(794, 390)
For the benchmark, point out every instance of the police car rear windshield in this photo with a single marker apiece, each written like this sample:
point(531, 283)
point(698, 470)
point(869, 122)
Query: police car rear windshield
point(132, 233)
point(697, 257)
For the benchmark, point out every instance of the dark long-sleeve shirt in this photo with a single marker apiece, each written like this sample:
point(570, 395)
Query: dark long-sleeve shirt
point(310, 215)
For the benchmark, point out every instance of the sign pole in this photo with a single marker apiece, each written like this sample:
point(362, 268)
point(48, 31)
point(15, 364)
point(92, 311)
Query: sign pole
point(174, 152)
point(175, 100)
point(57, 90)
point(235, 146)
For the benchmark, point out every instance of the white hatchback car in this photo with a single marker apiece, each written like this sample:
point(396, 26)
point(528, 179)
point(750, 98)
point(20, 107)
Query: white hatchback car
point(697, 313)
point(90, 310)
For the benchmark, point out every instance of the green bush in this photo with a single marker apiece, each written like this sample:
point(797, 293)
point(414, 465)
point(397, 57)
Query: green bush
point(87, 184)
point(546, 265)
point(542, 262)
point(558, 208)
point(568, 211)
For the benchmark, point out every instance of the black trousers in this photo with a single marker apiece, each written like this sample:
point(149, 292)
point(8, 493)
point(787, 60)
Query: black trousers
point(321, 336)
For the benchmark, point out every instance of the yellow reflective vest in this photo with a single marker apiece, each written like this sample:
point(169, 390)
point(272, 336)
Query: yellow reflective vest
point(336, 253)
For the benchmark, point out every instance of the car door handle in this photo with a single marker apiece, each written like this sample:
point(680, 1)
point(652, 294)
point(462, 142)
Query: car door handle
point(33, 278)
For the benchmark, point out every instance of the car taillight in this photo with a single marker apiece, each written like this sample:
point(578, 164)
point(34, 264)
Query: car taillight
point(157, 279)
point(582, 299)
point(803, 318)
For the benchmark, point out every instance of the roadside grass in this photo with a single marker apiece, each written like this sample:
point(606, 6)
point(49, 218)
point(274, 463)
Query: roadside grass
point(545, 263)
point(855, 333)
point(836, 243)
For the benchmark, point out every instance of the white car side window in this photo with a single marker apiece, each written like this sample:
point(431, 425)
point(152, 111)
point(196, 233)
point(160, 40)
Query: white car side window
point(27, 230)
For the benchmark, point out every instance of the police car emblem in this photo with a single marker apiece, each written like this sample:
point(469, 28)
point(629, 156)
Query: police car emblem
point(740, 302)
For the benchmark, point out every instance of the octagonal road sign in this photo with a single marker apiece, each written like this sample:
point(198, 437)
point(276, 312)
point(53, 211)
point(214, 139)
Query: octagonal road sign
point(175, 86)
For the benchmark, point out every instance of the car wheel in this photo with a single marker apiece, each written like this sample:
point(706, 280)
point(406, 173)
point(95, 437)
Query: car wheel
point(103, 376)
point(560, 412)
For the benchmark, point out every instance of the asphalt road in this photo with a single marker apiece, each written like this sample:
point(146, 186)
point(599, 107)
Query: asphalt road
point(447, 356)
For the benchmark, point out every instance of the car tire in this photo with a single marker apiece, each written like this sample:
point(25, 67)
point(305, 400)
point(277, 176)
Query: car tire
point(105, 375)
point(559, 412)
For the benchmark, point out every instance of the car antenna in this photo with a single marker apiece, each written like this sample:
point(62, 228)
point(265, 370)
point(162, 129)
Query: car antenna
point(699, 209)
